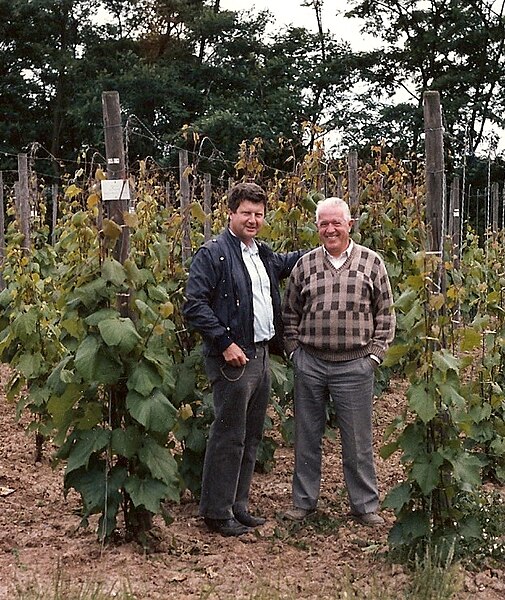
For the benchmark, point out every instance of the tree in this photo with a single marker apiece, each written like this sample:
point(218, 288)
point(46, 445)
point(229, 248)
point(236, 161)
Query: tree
point(454, 47)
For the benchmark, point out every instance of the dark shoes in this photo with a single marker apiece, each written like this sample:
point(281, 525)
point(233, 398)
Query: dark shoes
point(242, 522)
point(249, 520)
point(227, 527)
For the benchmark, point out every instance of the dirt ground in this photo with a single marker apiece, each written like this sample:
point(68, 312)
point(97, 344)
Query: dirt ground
point(40, 539)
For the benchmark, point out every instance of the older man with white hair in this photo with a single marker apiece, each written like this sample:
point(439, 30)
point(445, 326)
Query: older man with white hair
point(338, 323)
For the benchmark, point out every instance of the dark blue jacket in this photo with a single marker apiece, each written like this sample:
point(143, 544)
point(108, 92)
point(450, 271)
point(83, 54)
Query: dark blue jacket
point(219, 294)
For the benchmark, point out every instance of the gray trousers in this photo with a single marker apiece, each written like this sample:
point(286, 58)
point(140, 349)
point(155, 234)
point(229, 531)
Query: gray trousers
point(350, 385)
point(240, 397)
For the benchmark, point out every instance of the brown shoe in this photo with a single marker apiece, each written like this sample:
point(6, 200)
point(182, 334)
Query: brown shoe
point(298, 514)
point(370, 519)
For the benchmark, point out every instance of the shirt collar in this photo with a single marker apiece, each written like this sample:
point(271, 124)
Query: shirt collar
point(344, 254)
point(252, 249)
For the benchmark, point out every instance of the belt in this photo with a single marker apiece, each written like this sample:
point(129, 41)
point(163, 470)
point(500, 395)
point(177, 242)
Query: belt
point(262, 343)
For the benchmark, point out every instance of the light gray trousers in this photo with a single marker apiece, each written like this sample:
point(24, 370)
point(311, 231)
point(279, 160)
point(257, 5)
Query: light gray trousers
point(350, 386)
point(240, 397)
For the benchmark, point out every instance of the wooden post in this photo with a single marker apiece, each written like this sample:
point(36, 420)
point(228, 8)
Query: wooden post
point(2, 231)
point(115, 208)
point(503, 208)
point(207, 206)
point(167, 194)
point(54, 190)
point(185, 201)
point(23, 201)
point(454, 229)
point(352, 186)
point(435, 180)
point(494, 206)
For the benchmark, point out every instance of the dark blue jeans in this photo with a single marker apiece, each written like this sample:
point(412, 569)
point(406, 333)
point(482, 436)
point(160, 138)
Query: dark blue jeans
point(240, 397)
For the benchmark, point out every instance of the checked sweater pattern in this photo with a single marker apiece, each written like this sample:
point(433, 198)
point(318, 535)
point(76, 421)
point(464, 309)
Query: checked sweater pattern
point(339, 314)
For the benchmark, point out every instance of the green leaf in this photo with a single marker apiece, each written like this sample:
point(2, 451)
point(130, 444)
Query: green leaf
point(126, 442)
point(397, 497)
point(113, 271)
point(30, 364)
point(406, 300)
point(412, 440)
point(445, 361)
point(120, 332)
point(388, 449)
point(89, 294)
point(471, 339)
point(97, 317)
point(56, 381)
point(161, 465)
point(137, 276)
point(144, 379)
point(94, 364)
point(92, 416)
point(395, 353)
point(60, 406)
point(155, 412)
point(425, 472)
point(470, 527)
point(146, 310)
point(413, 525)
point(146, 492)
point(25, 324)
point(451, 396)
point(409, 320)
point(421, 402)
point(467, 469)
point(85, 444)
point(94, 485)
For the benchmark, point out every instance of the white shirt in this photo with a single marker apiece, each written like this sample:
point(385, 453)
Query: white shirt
point(262, 300)
point(338, 261)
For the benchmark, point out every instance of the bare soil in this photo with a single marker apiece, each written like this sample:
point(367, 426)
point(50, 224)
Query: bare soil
point(40, 537)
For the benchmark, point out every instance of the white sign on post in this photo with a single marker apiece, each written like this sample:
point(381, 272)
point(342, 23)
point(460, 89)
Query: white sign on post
point(115, 189)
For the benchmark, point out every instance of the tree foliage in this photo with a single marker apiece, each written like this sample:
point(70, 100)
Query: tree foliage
point(456, 48)
point(192, 75)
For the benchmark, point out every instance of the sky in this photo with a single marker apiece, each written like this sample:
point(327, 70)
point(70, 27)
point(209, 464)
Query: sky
point(293, 13)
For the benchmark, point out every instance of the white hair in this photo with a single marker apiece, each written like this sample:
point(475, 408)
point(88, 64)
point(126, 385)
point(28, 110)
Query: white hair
point(333, 201)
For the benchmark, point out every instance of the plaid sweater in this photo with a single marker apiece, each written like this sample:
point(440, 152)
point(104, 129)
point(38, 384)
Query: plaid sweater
point(339, 314)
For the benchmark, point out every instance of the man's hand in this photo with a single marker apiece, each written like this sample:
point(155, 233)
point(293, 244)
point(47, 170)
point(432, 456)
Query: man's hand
point(234, 356)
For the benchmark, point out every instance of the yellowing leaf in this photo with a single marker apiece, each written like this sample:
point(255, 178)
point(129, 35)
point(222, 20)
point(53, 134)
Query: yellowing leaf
point(131, 219)
point(111, 229)
point(197, 212)
point(159, 330)
point(166, 309)
point(185, 412)
point(100, 175)
point(93, 200)
point(72, 191)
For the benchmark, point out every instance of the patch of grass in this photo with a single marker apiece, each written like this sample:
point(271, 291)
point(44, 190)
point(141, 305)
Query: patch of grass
point(62, 588)
point(435, 578)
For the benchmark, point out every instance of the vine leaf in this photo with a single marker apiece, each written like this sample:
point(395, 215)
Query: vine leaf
point(425, 471)
point(155, 413)
point(146, 492)
point(144, 379)
point(421, 402)
point(119, 332)
point(86, 443)
point(94, 364)
point(162, 465)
